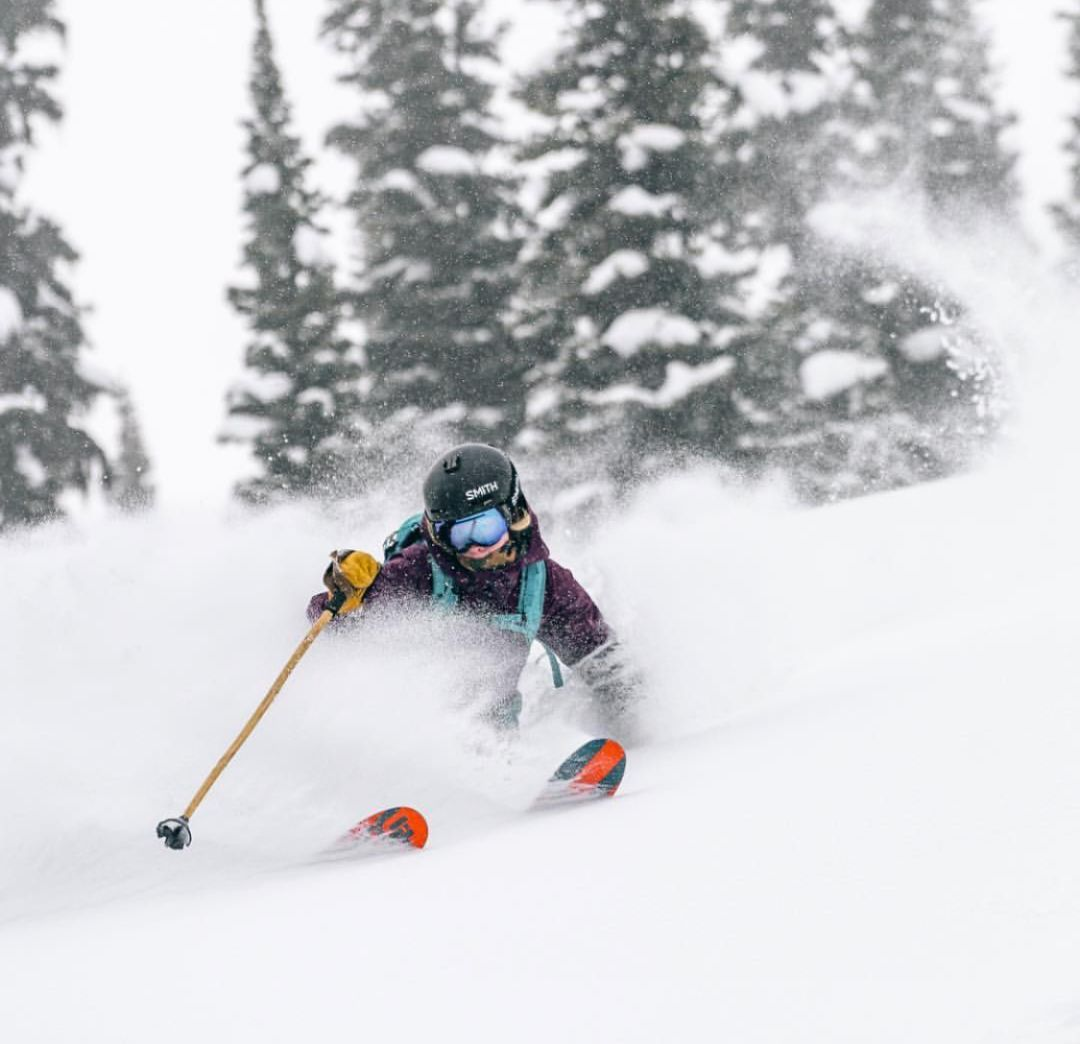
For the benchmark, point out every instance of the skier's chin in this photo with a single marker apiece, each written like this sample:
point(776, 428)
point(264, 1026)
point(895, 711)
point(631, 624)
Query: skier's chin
point(499, 556)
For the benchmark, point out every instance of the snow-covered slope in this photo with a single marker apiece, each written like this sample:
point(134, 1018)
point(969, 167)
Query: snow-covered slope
point(853, 818)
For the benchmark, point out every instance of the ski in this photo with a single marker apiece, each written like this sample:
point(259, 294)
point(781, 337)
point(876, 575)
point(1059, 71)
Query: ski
point(389, 829)
point(594, 770)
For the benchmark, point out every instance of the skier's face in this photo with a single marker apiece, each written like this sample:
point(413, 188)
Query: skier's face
point(495, 555)
point(477, 536)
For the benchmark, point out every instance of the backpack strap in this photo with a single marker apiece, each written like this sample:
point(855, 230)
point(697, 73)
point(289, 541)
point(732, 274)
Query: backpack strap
point(530, 613)
point(408, 533)
point(530, 608)
point(443, 592)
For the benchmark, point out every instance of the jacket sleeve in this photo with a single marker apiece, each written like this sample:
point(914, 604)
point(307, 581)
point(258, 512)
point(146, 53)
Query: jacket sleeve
point(579, 635)
point(572, 625)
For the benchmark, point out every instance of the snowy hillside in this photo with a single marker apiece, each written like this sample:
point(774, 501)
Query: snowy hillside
point(853, 817)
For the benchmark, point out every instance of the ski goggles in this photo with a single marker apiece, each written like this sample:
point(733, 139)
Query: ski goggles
point(482, 530)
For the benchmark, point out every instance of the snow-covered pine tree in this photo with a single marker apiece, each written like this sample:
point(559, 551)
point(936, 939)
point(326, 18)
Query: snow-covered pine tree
point(1067, 212)
point(438, 225)
point(43, 389)
point(925, 114)
point(628, 307)
point(787, 67)
point(130, 487)
point(297, 405)
point(888, 404)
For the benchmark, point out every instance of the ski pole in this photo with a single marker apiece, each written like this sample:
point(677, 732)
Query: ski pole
point(176, 832)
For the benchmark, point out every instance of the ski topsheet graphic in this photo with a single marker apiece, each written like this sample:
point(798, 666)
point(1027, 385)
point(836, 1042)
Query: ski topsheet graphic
point(594, 770)
point(398, 827)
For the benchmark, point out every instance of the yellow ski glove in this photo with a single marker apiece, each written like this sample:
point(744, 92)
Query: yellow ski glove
point(347, 578)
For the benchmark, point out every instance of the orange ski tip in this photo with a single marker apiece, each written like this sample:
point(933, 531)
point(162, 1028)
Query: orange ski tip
point(601, 764)
point(401, 824)
point(418, 825)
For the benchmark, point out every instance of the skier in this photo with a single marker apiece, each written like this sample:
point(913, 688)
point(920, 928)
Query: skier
point(477, 548)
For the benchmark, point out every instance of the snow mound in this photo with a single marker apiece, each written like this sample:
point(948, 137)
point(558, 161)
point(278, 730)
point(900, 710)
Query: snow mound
point(11, 315)
point(263, 179)
point(638, 144)
point(832, 372)
point(635, 201)
point(638, 327)
point(622, 264)
point(448, 160)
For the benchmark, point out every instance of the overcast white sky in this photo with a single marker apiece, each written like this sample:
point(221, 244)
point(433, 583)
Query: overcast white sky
point(143, 175)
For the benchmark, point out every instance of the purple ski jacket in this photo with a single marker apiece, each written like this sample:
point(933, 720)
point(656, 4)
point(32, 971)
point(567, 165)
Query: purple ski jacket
point(572, 626)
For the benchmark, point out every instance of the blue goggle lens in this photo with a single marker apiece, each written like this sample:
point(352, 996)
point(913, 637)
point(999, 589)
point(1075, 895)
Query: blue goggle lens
point(485, 529)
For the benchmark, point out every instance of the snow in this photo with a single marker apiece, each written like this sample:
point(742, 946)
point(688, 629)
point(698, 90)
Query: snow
point(638, 202)
point(680, 380)
point(541, 400)
point(263, 179)
point(831, 372)
point(624, 264)
point(925, 345)
point(714, 259)
point(11, 315)
point(584, 101)
point(556, 213)
point(28, 399)
point(408, 269)
point(851, 817)
point(636, 144)
point(657, 137)
point(193, 154)
point(319, 396)
point(310, 246)
point(638, 327)
point(263, 387)
point(243, 427)
point(30, 467)
point(448, 160)
point(401, 180)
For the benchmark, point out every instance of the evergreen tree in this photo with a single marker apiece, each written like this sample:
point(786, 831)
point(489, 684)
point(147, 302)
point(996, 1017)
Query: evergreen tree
point(925, 115)
point(43, 391)
point(297, 408)
point(130, 487)
point(627, 278)
point(884, 402)
point(788, 85)
point(438, 226)
point(1067, 213)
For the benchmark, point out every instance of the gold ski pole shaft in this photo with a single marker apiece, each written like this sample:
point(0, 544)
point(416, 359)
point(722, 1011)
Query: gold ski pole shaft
point(175, 831)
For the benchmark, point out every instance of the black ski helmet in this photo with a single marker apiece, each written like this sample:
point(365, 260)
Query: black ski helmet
point(469, 479)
